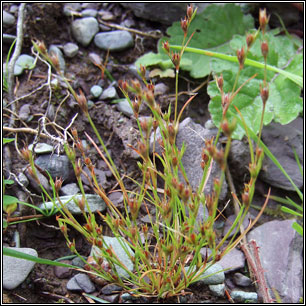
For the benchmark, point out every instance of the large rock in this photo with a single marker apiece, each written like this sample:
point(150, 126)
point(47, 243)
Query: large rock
point(16, 270)
point(193, 135)
point(280, 139)
point(280, 252)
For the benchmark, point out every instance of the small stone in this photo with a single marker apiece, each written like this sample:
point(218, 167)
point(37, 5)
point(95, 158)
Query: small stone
point(110, 289)
point(77, 261)
point(95, 203)
point(217, 290)
point(72, 285)
point(96, 91)
point(109, 93)
point(114, 40)
point(217, 276)
point(16, 270)
point(23, 179)
point(71, 8)
point(71, 49)
point(41, 148)
point(114, 298)
point(120, 253)
point(24, 112)
point(89, 13)
point(70, 189)
point(84, 30)
point(24, 61)
point(7, 19)
point(84, 282)
point(62, 272)
point(161, 89)
point(8, 38)
point(242, 296)
point(124, 107)
point(43, 180)
point(57, 51)
point(242, 280)
point(232, 261)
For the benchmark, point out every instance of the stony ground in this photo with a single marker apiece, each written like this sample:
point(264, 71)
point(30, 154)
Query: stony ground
point(55, 24)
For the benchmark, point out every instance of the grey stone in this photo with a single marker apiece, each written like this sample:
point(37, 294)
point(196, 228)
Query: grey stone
point(96, 91)
point(280, 253)
point(25, 112)
point(77, 261)
point(57, 51)
point(161, 89)
point(23, 179)
point(84, 282)
point(280, 139)
point(72, 285)
point(213, 275)
point(57, 166)
point(110, 289)
point(242, 280)
point(23, 62)
point(89, 13)
point(232, 261)
point(217, 290)
point(7, 18)
point(109, 93)
point(62, 272)
point(95, 203)
point(229, 222)
point(124, 107)
point(71, 49)
point(70, 189)
point(42, 179)
point(120, 252)
point(84, 30)
point(41, 148)
point(193, 135)
point(114, 40)
point(70, 8)
point(242, 296)
point(16, 270)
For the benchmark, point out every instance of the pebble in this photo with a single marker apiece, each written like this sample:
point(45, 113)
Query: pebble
point(96, 91)
point(57, 166)
point(161, 89)
point(84, 30)
point(16, 270)
point(120, 252)
point(95, 203)
point(214, 275)
point(23, 62)
point(71, 49)
point(109, 93)
point(229, 222)
point(81, 282)
point(114, 40)
point(242, 280)
point(8, 19)
point(57, 51)
point(242, 296)
point(217, 290)
point(41, 148)
point(70, 8)
point(124, 107)
point(8, 38)
point(232, 261)
point(89, 13)
point(77, 261)
point(62, 272)
point(23, 179)
point(70, 189)
point(43, 180)
point(110, 289)
point(24, 112)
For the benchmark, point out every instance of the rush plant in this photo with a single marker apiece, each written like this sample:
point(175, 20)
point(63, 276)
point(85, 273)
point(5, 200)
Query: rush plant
point(165, 254)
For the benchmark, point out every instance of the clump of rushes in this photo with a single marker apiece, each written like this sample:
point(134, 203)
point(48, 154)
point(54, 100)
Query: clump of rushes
point(166, 254)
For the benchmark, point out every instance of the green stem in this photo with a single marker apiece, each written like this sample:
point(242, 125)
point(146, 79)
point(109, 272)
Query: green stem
point(231, 58)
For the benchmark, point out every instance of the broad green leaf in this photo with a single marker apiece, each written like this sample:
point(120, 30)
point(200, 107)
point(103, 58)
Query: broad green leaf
point(284, 103)
point(214, 28)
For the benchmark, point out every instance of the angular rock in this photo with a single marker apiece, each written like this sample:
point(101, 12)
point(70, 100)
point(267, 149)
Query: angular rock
point(84, 30)
point(119, 251)
point(232, 261)
point(41, 148)
point(213, 275)
point(280, 139)
point(193, 135)
point(229, 222)
point(280, 252)
point(95, 203)
point(16, 270)
point(217, 290)
point(242, 280)
point(8, 19)
point(114, 40)
point(84, 282)
point(70, 189)
point(62, 272)
point(124, 107)
point(109, 93)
